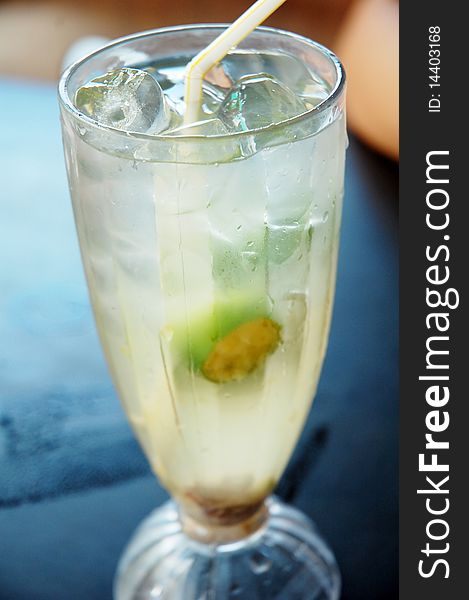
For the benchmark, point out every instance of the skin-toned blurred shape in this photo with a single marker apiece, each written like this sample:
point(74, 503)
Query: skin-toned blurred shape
point(368, 46)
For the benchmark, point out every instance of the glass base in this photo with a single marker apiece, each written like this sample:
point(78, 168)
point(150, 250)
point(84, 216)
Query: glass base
point(283, 559)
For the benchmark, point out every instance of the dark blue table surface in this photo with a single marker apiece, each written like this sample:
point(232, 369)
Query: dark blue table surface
point(73, 482)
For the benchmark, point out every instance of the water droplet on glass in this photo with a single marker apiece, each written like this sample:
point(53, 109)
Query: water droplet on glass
point(325, 216)
point(270, 303)
point(239, 228)
point(250, 259)
point(167, 333)
point(156, 592)
point(260, 563)
point(250, 244)
point(235, 590)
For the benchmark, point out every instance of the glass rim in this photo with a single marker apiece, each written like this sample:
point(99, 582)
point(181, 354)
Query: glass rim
point(332, 97)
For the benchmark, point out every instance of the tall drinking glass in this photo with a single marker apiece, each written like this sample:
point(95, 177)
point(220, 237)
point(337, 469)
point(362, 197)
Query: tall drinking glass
point(211, 265)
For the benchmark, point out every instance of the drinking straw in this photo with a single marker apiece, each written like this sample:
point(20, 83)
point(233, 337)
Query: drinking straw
point(218, 48)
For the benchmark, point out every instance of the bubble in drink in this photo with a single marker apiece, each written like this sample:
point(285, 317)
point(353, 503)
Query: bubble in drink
point(258, 101)
point(127, 99)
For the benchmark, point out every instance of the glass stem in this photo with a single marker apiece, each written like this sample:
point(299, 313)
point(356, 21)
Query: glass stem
point(221, 525)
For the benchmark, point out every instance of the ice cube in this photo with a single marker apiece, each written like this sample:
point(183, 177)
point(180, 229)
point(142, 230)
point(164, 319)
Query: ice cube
point(296, 75)
point(127, 99)
point(240, 63)
point(222, 148)
point(258, 101)
point(207, 127)
point(212, 97)
point(288, 69)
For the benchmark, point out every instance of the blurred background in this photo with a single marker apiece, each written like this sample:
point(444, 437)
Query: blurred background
point(73, 481)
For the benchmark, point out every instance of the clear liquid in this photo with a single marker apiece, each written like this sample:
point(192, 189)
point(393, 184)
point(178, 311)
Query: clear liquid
point(176, 254)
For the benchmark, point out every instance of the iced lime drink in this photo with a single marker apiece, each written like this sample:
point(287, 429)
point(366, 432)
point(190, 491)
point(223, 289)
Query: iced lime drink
point(210, 251)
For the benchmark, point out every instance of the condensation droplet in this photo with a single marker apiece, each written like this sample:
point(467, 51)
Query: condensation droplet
point(325, 216)
point(260, 563)
point(156, 592)
point(235, 590)
point(167, 333)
